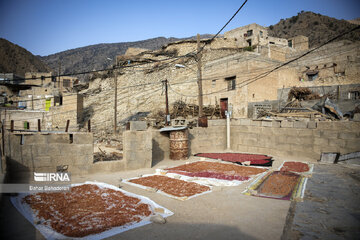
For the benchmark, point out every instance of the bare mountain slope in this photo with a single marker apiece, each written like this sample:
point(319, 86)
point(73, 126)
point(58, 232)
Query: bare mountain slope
point(95, 57)
point(318, 28)
point(15, 59)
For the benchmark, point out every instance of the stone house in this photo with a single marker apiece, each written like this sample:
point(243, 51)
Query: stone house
point(63, 83)
point(256, 35)
point(241, 80)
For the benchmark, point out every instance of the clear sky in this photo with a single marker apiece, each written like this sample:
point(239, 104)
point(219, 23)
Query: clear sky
point(48, 26)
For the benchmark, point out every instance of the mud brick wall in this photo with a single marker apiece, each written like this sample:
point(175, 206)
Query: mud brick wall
point(137, 147)
point(292, 140)
point(41, 152)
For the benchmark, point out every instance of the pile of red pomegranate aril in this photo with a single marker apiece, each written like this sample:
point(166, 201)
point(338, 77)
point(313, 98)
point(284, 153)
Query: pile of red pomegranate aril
point(175, 187)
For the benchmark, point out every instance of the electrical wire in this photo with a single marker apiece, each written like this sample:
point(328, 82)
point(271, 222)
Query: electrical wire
point(264, 74)
point(209, 41)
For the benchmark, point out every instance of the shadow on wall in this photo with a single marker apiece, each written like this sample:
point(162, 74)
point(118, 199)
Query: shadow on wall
point(88, 112)
point(16, 172)
point(191, 138)
point(157, 154)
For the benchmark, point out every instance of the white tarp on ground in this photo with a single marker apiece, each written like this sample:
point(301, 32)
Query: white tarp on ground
point(210, 181)
point(49, 233)
point(127, 181)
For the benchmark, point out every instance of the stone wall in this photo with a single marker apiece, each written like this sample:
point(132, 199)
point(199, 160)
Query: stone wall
point(27, 153)
point(291, 140)
point(54, 119)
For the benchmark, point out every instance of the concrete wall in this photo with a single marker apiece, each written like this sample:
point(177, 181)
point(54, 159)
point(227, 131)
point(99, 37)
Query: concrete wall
point(137, 149)
point(21, 116)
point(43, 152)
point(160, 146)
point(292, 140)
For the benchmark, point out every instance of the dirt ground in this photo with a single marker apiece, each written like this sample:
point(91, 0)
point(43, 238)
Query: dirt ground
point(330, 209)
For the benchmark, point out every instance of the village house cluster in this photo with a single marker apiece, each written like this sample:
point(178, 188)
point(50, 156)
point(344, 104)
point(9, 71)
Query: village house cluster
point(245, 71)
point(272, 103)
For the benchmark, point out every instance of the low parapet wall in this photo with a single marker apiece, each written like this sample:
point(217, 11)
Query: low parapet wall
point(43, 152)
point(296, 140)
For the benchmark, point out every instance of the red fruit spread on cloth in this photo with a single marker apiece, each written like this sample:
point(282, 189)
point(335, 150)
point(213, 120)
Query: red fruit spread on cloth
point(237, 157)
point(86, 209)
point(295, 167)
point(216, 170)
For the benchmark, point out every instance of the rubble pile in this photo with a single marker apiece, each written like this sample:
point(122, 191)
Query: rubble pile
point(323, 110)
point(182, 109)
point(302, 93)
point(104, 156)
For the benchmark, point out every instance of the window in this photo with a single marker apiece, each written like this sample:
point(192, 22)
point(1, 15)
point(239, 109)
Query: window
point(58, 100)
point(290, 44)
point(340, 74)
point(261, 34)
point(249, 33)
point(213, 83)
point(231, 81)
point(354, 95)
point(272, 42)
point(249, 42)
point(312, 75)
point(66, 83)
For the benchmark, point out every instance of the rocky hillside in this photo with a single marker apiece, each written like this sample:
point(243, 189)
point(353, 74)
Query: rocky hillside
point(96, 56)
point(15, 59)
point(316, 27)
point(355, 21)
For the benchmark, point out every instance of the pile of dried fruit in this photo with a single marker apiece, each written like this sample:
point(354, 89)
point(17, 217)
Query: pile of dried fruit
point(216, 170)
point(86, 209)
point(279, 184)
point(175, 187)
point(295, 167)
point(254, 159)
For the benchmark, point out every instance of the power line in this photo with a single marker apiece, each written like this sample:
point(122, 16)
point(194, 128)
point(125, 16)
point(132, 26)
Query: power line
point(209, 41)
point(190, 54)
point(264, 74)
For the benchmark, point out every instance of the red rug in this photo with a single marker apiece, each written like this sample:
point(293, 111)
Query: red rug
point(255, 159)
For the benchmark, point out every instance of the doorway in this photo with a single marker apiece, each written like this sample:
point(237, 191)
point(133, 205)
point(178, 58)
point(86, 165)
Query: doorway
point(223, 107)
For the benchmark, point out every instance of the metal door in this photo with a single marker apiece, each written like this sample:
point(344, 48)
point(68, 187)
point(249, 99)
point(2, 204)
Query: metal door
point(223, 107)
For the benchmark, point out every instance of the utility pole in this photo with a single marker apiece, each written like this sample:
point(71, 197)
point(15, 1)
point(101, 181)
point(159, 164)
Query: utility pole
point(167, 118)
point(59, 75)
point(199, 77)
point(115, 102)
